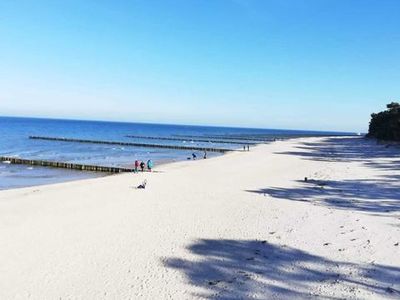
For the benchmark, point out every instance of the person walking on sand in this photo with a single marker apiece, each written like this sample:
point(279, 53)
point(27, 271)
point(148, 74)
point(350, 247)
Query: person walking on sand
point(149, 165)
point(142, 164)
point(137, 164)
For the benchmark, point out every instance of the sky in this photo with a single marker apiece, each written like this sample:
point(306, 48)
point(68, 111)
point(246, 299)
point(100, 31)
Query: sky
point(292, 64)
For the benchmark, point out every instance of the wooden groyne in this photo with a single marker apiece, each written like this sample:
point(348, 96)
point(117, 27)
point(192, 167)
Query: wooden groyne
point(185, 139)
point(64, 165)
point(176, 147)
point(233, 138)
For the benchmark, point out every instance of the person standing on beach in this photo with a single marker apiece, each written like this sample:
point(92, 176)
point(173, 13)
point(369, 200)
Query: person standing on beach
point(142, 164)
point(205, 154)
point(136, 166)
point(149, 165)
point(194, 156)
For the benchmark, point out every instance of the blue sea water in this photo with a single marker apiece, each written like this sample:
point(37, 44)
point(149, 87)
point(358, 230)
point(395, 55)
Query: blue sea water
point(15, 132)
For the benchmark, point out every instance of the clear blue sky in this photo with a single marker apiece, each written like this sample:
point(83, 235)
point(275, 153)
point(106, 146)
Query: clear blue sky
point(306, 64)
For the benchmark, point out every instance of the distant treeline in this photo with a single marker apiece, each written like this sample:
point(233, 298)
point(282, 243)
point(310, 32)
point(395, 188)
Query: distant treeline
point(385, 125)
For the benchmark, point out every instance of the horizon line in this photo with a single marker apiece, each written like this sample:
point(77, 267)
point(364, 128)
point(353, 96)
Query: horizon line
point(171, 124)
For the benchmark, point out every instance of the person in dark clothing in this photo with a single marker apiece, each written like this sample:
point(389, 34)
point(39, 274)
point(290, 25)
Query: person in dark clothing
point(142, 165)
point(194, 156)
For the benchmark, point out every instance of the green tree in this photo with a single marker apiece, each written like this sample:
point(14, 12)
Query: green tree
point(385, 125)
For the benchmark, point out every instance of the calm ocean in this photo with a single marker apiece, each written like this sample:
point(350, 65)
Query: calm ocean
point(14, 141)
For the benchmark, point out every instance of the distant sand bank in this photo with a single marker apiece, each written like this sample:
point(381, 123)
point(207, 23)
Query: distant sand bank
point(243, 225)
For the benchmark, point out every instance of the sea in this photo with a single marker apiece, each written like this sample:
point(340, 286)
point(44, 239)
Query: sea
point(15, 142)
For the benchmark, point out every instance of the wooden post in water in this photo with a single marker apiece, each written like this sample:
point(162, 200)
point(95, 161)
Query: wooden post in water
point(204, 140)
point(176, 147)
point(56, 164)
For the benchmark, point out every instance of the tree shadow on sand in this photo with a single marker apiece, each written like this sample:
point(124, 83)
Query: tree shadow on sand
point(381, 195)
point(348, 149)
point(372, 196)
point(243, 269)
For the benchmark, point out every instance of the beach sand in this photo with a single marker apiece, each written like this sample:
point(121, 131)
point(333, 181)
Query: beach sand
point(243, 225)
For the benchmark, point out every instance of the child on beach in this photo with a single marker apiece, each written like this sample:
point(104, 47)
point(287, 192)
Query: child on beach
point(136, 166)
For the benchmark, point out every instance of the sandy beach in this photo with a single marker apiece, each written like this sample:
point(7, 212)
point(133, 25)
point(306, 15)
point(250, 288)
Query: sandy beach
point(241, 226)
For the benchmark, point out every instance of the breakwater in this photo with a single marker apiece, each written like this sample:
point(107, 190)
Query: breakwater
point(249, 140)
point(176, 147)
point(205, 140)
point(64, 165)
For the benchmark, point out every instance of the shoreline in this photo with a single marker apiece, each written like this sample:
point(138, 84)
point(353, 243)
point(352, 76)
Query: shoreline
point(159, 163)
point(100, 174)
point(240, 225)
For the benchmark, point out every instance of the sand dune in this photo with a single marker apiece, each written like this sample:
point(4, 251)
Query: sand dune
point(240, 226)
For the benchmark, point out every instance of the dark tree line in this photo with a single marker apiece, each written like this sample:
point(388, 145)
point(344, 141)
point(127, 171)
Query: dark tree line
point(385, 125)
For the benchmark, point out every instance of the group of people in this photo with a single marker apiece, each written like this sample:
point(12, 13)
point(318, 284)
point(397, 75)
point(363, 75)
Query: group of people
point(142, 165)
point(194, 156)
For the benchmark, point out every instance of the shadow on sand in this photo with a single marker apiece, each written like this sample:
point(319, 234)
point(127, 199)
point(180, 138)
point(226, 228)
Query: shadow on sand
point(242, 269)
point(351, 149)
point(379, 196)
point(373, 196)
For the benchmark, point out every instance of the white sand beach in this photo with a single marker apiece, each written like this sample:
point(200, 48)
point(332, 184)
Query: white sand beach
point(241, 226)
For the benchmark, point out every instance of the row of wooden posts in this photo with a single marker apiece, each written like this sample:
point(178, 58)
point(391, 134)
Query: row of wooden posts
point(64, 165)
point(197, 139)
point(253, 140)
point(84, 167)
point(177, 147)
